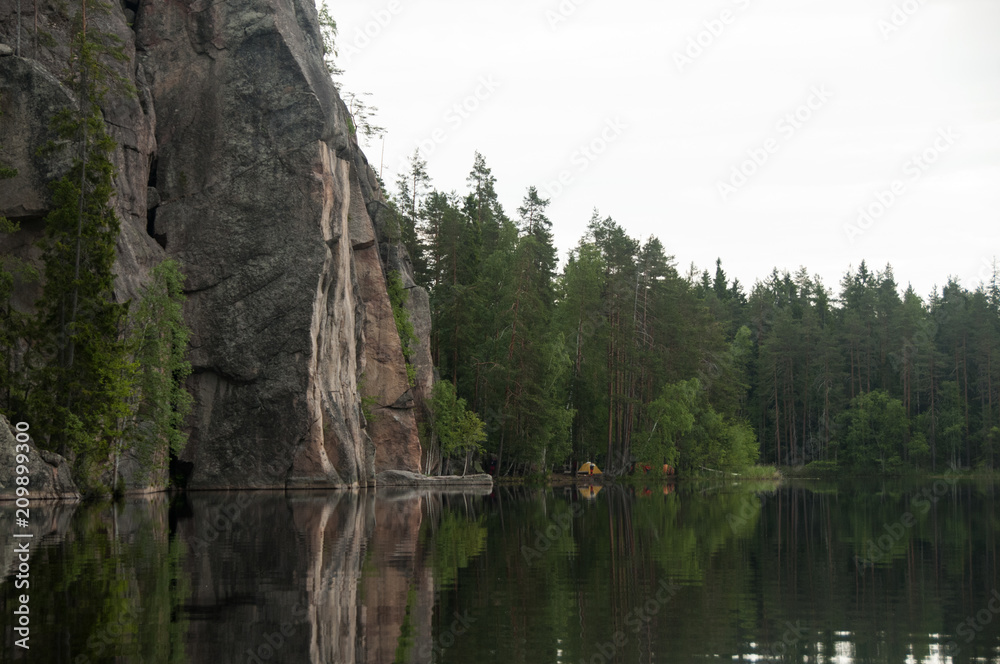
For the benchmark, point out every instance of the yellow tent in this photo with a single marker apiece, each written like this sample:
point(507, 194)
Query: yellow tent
point(589, 468)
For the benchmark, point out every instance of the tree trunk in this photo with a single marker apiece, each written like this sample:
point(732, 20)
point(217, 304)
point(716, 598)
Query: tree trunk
point(85, 110)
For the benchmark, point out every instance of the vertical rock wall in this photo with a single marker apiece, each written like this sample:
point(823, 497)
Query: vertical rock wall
point(236, 158)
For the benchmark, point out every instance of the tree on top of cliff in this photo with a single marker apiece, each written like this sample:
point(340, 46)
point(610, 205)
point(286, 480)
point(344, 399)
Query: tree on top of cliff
point(361, 110)
point(412, 186)
point(363, 115)
point(328, 33)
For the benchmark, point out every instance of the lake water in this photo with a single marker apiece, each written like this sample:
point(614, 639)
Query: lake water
point(806, 572)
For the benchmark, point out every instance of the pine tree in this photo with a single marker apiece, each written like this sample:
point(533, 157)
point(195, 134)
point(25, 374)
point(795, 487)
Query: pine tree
point(404, 326)
point(580, 319)
point(412, 187)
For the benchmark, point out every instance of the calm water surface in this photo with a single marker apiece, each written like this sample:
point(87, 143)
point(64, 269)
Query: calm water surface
point(810, 572)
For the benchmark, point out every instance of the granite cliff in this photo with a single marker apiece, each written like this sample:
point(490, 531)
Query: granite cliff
point(237, 157)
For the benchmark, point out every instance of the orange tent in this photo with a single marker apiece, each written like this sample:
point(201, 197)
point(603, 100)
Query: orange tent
point(589, 468)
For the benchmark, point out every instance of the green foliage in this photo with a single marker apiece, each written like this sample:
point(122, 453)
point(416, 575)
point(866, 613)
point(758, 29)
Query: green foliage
point(821, 468)
point(13, 323)
point(404, 326)
point(673, 416)
point(368, 401)
point(75, 350)
point(362, 115)
point(412, 186)
point(872, 427)
point(159, 345)
point(97, 377)
point(760, 473)
point(458, 540)
point(717, 442)
point(93, 54)
point(459, 430)
point(576, 364)
point(328, 34)
point(361, 111)
point(75, 359)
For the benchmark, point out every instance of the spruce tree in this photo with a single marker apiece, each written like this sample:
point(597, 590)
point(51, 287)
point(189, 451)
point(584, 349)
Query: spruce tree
point(13, 323)
point(76, 360)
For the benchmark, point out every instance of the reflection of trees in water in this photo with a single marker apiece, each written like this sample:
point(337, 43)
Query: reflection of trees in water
point(359, 578)
point(107, 585)
point(756, 564)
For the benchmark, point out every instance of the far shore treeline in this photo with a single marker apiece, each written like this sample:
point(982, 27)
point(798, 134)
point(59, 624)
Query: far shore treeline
point(621, 359)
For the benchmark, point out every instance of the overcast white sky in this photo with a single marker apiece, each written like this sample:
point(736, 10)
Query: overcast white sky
point(839, 101)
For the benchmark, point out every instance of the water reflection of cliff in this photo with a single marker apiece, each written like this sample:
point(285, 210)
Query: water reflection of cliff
point(242, 577)
point(323, 578)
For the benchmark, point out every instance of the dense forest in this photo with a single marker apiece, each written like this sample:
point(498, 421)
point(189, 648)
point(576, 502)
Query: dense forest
point(619, 358)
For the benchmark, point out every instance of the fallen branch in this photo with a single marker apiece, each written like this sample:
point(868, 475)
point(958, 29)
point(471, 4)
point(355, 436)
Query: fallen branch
point(721, 472)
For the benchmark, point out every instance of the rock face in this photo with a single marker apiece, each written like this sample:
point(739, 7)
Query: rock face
point(48, 473)
point(395, 259)
point(236, 158)
point(385, 378)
